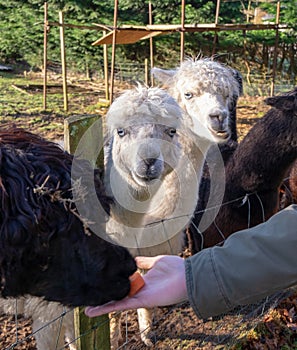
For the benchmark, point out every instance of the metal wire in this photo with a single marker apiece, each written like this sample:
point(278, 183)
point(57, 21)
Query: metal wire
point(251, 313)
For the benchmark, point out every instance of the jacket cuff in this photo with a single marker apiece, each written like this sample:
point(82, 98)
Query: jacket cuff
point(201, 269)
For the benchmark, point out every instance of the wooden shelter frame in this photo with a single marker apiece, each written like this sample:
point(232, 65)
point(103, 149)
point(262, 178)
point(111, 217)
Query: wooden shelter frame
point(127, 34)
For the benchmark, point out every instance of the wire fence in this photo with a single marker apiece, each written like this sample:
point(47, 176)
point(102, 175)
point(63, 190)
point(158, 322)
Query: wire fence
point(173, 327)
point(261, 85)
point(176, 327)
point(255, 84)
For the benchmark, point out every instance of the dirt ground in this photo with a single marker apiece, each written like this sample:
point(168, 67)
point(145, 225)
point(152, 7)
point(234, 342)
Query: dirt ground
point(176, 327)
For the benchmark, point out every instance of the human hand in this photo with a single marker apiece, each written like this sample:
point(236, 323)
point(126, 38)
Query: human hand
point(165, 284)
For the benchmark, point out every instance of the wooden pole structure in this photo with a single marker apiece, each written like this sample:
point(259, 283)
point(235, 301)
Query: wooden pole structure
point(215, 39)
point(115, 20)
point(45, 57)
point(248, 12)
point(182, 33)
point(146, 72)
point(217, 11)
point(275, 49)
point(151, 43)
point(106, 75)
point(90, 333)
point(63, 59)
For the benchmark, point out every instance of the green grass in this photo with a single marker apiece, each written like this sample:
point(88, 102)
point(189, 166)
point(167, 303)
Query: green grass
point(14, 101)
point(24, 108)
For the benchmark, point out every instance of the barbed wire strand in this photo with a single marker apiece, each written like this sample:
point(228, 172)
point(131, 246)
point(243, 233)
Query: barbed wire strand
point(38, 330)
point(244, 198)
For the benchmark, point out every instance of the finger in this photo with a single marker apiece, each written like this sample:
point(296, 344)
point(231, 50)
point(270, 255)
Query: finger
point(121, 305)
point(144, 262)
point(91, 311)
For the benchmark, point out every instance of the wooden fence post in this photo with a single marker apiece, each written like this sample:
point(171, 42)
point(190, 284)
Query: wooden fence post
point(63, 59)
point(91, 333)
point(45, 30)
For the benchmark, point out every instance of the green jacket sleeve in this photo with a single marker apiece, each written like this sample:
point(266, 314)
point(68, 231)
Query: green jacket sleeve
point(252, 264)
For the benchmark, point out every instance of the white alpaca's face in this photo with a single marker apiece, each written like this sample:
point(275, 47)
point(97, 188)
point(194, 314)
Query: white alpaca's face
point(206, 91)
point(210, 111)
point(145, 152)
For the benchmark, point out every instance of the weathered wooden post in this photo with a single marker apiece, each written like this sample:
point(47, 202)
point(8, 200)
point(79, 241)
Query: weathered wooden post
point(274, 67)
point(151, 45)
point(91, 333)
point(182, 33)
point(106, 75)
point(146, 72)
point(45, 30)
point(63, 59)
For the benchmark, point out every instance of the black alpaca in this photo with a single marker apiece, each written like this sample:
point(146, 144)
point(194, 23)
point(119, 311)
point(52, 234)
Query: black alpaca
point(45, 250)
point(289, 187)
point(254, 174)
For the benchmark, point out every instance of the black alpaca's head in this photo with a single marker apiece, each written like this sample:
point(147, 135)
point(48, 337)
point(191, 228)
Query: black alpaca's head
point(44, 247)
point(285, 102)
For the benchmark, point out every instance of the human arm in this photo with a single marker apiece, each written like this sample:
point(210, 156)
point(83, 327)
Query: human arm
point(252, 264)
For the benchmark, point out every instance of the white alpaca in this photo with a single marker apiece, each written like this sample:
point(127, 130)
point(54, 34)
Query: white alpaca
point(207, 91)
point(153, 168)
point(52, 324)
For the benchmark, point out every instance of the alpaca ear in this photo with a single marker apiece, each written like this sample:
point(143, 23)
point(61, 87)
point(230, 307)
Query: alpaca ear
point(238, 77)
point(163, 75)
point(283, 103)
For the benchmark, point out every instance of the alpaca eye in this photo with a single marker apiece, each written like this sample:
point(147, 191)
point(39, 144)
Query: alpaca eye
point(188, 95)
point(121, 132)
point(171, 132)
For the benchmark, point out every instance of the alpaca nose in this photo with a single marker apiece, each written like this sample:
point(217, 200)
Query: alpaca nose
point(148, 153)
point(150, 161)
point(218, 116)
